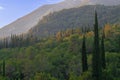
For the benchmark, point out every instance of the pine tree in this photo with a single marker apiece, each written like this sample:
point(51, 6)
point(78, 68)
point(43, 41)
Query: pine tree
point(84, 55)
point(3, 67)
point(96, 59)
point(103, 51)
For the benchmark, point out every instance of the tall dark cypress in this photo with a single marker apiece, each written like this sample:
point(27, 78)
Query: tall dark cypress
point(84, 55)
point(103, 61)
point(3, 67)
point(96, 59)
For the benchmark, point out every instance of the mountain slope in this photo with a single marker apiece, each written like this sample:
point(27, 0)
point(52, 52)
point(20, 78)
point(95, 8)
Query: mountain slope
point(76, 17)
point(105, 2)
point(25, 23)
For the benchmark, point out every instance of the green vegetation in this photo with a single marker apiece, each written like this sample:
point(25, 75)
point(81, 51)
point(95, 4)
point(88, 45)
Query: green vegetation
point(60, 57)
point(103, 61)
point(84, 55)
point(72, 54)
point(96, 57)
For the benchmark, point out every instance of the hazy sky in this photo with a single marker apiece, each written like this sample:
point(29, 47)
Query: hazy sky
point(10, 10)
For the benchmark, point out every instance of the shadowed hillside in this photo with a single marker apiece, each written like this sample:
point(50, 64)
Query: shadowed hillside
point(76, 18)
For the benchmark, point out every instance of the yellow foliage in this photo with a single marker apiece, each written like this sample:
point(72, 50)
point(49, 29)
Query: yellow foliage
point(107, 30)
point(59, 36)
point(90, 34)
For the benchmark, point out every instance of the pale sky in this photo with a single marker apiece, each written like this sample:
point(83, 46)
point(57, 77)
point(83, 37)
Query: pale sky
point(11, 10)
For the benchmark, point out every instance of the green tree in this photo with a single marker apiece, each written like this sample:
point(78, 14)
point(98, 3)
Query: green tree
point(3, 67)
point(74, 44)
point(84, 55)
point(103, 61)
point(96, 62)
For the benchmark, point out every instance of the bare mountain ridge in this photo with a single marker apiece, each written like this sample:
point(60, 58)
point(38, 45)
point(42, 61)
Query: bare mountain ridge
point(27, 22)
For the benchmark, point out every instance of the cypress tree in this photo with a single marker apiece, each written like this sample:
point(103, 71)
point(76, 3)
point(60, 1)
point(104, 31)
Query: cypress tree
point(103, 51)
point(84, 55)
point(96, 59)
point(3, 67)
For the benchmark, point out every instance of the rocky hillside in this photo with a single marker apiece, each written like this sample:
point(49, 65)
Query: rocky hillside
point(76, 17)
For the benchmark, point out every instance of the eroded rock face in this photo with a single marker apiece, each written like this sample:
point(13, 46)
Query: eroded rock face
point(25, 23)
